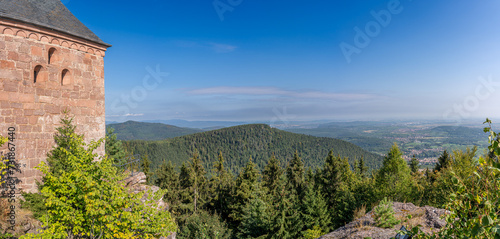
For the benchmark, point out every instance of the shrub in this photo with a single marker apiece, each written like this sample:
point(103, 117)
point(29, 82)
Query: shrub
point(384, 214)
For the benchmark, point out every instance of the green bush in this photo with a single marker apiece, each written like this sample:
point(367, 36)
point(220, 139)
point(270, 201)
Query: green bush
point(384, 214)
point(204, 225)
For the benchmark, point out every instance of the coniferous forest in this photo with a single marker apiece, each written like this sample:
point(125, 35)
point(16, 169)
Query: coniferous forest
point(283, 199)
point(287, 196)
point(239, 143)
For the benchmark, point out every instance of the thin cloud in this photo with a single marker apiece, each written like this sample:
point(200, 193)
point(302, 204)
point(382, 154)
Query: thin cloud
point(222, 48)
point(213, 46)
point(125, 115)
point(273, 91)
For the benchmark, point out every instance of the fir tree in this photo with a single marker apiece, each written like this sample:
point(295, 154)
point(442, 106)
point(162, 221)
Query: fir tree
point(384, 214)
point(221, 185)
point(197, 178)
point(167, 178)
point(295, 174)
point(443, 161)
point(414, 164)
point(145, 164)
point(286, 221)
point(114, 147)
point(271, 174)
point(315, 211)
point(57, 157)
point(246, 185)
point(255, 218)
point(361, 168)
point(394, 178)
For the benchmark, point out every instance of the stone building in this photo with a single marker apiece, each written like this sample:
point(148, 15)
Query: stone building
point(49, 62)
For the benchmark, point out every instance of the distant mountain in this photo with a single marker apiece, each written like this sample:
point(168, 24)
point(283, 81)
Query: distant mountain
point(257, 141)
point(132, 130)
point(197, 124)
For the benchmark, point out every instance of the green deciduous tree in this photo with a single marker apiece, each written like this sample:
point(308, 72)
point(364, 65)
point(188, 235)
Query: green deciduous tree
point(88, 198)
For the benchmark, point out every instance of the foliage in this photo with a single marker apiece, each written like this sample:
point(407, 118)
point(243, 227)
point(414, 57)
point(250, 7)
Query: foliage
point(239, 143)
point(443, 161)
point(414, 164)
point(88, 198)
point(204, 225)
point(313, 233)
point(3, 161)
point(145, 165)
point(384, 214)
point(256, 220)
point(114, 147)
point(475, 202)
point(315, 215)
point(57, 159)
point(394, 178)
point(35, 202)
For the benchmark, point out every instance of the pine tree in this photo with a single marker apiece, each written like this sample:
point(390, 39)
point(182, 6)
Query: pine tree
point(246, 185)
point(197, 177)
point(443, 161)
point(315, 211)
point(145, 164)
point(167, 178)
point(114, 147)
point(57, 157)
point(271, 175)
point(221, 185)
point(394, 178)
point(295, 174)
point(255, 218)
point(361, 168)
point(414, 164)
point(384, 214)
point(286, 222)
point(337, 182)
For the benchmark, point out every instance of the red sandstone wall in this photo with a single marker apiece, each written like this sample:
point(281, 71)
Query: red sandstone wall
point(34, 109)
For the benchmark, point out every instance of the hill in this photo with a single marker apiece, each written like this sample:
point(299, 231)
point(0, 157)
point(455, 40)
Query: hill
point(239, 143)
point(132, 130)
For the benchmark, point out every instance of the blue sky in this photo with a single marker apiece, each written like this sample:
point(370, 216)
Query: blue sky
point(298, 60)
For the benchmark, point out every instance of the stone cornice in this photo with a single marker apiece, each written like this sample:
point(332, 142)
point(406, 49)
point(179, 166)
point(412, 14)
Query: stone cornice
point(15, 28)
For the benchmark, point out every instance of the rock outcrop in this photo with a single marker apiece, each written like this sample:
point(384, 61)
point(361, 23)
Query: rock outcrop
point(137, 183)
point(429, 218)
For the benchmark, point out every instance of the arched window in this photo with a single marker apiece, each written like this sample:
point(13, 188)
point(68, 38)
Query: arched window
point(65, 77)
point(37, 73)
point(51, 55)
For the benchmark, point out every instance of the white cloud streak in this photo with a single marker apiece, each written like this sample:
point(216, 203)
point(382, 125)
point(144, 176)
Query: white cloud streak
point(273, 91)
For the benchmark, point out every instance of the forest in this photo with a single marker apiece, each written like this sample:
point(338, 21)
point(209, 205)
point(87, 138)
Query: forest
point(237, 144)
point(284, 199)
point(287, 199)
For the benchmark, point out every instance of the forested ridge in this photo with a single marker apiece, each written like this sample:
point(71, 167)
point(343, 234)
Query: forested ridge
point(240, 143)
point(131, 130)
